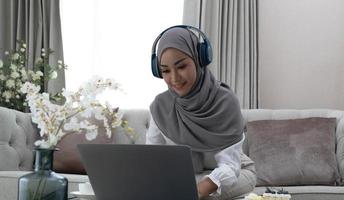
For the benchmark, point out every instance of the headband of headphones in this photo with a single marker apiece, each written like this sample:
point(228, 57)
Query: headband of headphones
point(205, 54)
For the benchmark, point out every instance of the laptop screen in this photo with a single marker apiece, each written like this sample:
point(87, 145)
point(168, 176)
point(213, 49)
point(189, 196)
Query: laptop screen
point(139, 172)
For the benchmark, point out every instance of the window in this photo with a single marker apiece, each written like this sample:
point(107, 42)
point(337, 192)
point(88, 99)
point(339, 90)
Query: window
point(113, 39)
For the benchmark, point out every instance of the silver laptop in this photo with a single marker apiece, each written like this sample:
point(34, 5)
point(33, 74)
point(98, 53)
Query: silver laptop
point(139, 172)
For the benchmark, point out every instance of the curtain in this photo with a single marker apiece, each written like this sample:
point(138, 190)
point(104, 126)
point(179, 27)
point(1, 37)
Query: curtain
point(37, 22)
point(231, 26)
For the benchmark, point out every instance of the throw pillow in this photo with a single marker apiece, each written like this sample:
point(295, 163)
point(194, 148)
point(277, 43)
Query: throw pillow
point(67, 158)
point(294, 151)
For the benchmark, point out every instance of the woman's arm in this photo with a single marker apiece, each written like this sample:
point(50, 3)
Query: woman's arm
point(153, 135)
point(227, 172)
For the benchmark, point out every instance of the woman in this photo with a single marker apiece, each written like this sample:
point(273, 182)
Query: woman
point(197, 111)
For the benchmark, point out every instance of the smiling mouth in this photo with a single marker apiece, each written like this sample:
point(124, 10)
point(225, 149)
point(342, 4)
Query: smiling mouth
point(178, 86)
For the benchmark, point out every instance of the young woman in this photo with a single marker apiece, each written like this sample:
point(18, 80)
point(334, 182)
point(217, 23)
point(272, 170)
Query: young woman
point(198, 111)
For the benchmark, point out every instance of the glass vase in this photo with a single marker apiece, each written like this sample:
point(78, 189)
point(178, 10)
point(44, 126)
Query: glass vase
point(43, 183)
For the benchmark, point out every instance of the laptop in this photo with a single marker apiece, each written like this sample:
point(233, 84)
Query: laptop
point(139, 172)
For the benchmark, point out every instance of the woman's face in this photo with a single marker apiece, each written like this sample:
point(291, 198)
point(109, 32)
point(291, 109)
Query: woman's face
point(178, 71)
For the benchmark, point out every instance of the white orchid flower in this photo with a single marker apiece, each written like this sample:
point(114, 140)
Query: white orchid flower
point(98, 114)
point(72, 125)
point(37, 75)
point(113, 85)
point(15, 75)
point(30, 88)
point(7, 95)
point(87, 112)
point(2, 77)
point(24, 76)
point(50, 142)
point(108, 132)
point(10, 83)
point(52, 119)
point(91, 134)
point(41, 143)
point(13, 67)
point(15, 56)
point(53, 75)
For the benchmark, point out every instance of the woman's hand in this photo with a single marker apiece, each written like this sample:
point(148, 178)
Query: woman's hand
point(206, 187)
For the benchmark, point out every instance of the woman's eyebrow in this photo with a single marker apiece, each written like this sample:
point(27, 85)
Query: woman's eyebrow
point(175, 63)
point(180, 60)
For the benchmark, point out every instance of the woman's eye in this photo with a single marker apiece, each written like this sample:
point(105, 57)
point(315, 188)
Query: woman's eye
point(165, 71)
point(181, 66)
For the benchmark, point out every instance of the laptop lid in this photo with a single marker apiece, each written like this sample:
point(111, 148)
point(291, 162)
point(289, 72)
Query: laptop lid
point(139, 172)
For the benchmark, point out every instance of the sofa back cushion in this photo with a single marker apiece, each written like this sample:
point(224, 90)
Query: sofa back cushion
point(17, 135)
point(281, 114)
point(67, 158)
point(294, 151)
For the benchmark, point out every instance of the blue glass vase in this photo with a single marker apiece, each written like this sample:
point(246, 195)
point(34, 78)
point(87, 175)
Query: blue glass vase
point(43, 183)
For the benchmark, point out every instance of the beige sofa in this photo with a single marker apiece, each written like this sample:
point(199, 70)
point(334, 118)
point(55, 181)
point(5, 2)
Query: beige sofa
point(17, 135)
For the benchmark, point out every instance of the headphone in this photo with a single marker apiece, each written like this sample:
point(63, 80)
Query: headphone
point(205, 53)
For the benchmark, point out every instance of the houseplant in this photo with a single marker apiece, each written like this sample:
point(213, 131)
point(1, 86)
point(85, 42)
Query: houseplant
point(56, 121)
point(14, 73)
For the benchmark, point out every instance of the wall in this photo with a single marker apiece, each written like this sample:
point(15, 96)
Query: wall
point(301, 54)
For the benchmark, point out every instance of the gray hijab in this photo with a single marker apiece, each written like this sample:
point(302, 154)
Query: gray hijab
point(208, 118)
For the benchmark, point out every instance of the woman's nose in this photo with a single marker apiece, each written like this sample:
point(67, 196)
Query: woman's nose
point(175, 76)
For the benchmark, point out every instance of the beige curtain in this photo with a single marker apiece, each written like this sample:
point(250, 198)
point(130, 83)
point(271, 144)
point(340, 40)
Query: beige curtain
point(231, 26)
point(37, 22)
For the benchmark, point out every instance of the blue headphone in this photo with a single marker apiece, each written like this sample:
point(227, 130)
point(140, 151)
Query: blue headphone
point(205, 54)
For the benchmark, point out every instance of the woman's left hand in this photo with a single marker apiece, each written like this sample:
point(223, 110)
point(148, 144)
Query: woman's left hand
point(206, 187)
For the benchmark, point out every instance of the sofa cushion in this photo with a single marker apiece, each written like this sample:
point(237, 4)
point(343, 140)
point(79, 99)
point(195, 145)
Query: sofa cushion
point(17, 135)
point(67, 158)
point(306, 144)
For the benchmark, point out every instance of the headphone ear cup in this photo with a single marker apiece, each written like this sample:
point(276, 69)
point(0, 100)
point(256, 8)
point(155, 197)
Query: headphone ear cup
point(204, 54)
point(155, 67)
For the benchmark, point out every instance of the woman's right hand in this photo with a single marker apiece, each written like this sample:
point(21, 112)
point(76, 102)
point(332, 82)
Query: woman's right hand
point(206, 187)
